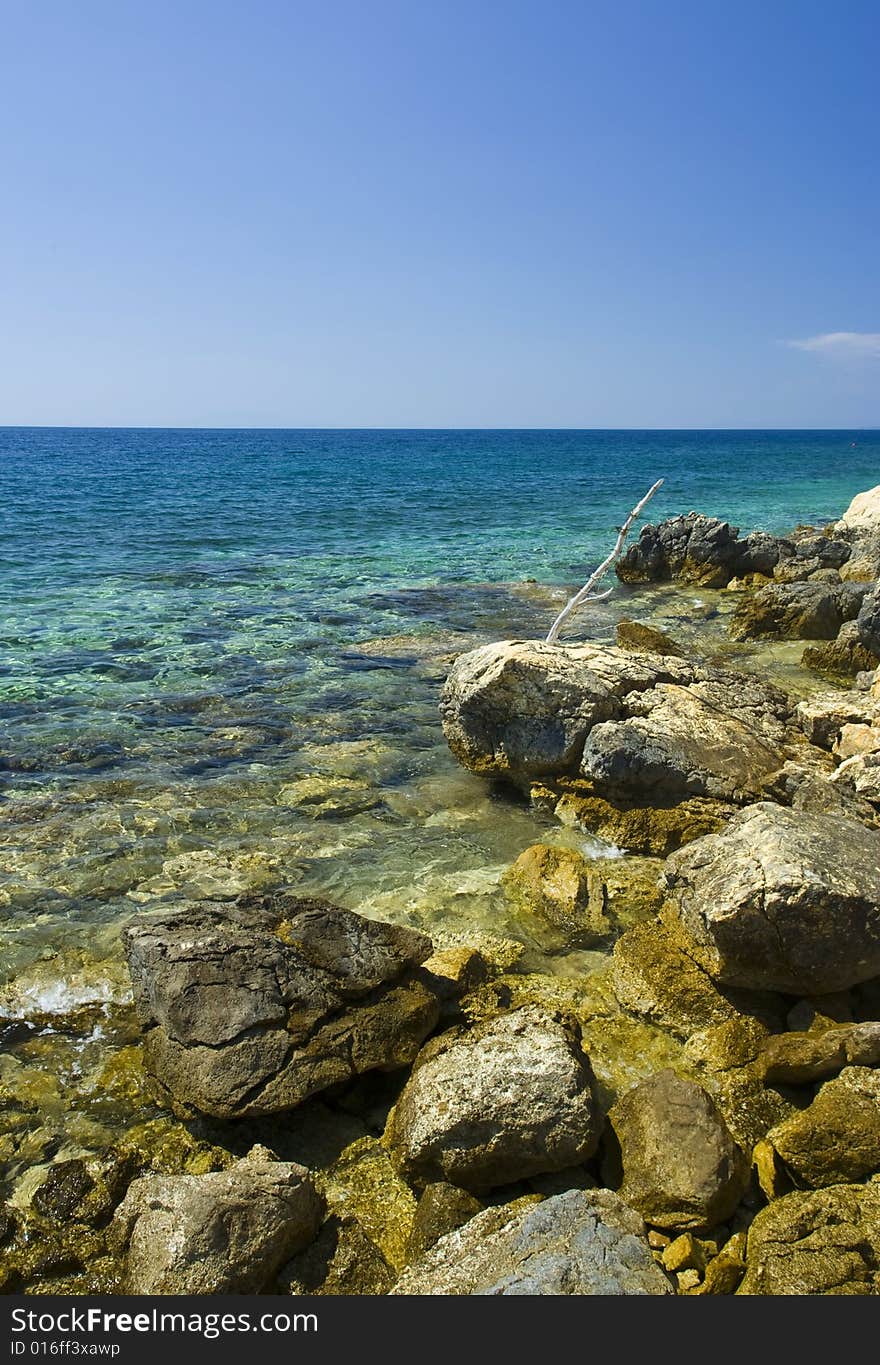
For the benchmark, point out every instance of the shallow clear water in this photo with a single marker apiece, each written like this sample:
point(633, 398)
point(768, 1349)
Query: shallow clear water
point(221, 654)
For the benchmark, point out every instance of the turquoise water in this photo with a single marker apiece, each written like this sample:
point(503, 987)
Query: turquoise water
point(221, 651)
point(220, 661)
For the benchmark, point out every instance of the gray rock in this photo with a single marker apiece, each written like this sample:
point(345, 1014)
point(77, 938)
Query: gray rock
point(722, 738)
point(782, 900)
point(816, 1242)
point(695, 549)
point(681, 1167)
point(868, 622)
point(228, 1232)
point(507, 1099)
point(251, 1007)
point(580, 1242)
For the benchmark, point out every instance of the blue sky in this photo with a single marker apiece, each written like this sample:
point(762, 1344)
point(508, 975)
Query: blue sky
point(440, 214)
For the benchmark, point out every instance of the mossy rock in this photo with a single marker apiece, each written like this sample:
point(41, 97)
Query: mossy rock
point(655, 831)
point(363, 1184)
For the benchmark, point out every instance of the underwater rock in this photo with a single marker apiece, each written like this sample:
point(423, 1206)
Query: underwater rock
point(559, 893)
point(782, 900)
point(816, 1242)
point(507, 1099)
point(250, 1008)
point(641, 638)
point(681, 1167)
point(580, 1242)
point(224, 1233)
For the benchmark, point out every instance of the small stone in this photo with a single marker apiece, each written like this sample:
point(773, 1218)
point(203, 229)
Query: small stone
point(658, 1240)
point(441, 1209)
point(685, 1253)
point(687, 1280)
point(636, 635)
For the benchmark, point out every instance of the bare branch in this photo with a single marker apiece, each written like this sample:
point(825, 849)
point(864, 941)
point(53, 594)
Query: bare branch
point(586, 592)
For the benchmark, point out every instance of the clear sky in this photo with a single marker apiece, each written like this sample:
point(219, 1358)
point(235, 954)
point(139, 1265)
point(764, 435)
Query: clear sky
point(587, 213)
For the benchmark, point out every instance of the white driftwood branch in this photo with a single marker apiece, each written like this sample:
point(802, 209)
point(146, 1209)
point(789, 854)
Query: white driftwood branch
point(586, 592)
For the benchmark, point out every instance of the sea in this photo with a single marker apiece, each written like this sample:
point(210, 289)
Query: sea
point(221, 655)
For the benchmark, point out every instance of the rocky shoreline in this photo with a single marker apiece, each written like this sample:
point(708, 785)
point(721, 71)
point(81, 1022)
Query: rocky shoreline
point(346, 1106)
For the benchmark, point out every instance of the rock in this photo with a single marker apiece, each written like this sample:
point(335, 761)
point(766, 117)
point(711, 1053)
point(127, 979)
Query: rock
point(580, 1242)
point(363, 1184)
point(441, 1209)
point(522, 709)
point(341, 1260)
point(681, 1167)
point(699, 550)
point(727, 1058)
point(868, 622)
point(861, 774)
point(863, 512)
point(841, 658)
point(863, 565)
point(508, 1099)
point(224, 1233)
point(796, 611)
point(720, 738)
point(823, 716)
point(643, 730)
point(816, 1242)
point(684, 1253)
point(801, 1058)
point(836, 1139)
point(557, 891)
point(655, 978)
point(782, 900)
point(250, 1008)
point(724, 1271)
point(656, 830)
point(857, 739)
point(642, 638)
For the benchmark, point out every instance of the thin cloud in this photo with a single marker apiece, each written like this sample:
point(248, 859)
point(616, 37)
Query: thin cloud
point(858, 345)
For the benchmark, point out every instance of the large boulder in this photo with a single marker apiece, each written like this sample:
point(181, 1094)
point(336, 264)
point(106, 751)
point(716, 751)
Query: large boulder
point(782, 900)
point(868, 622)
point(681, 1167)
point(863, 513)
point(579, 1242)
point(507, 1099)
point(796, 611)
point(644, 730)
point(816, 1242)
point(251, 1007)
point(228, 1232)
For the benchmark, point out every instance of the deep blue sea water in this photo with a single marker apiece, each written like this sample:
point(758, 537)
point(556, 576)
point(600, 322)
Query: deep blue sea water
point(220, 660)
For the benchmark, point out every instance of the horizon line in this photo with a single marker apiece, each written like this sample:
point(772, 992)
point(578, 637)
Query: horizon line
point(79, 426)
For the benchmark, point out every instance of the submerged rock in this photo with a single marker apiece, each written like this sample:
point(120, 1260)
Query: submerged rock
point(224, 1233)
point(816, 1242)
point(559, 893)
point(782, 900)
point(642, 638)
point(681, 1167)
point(507, 1099)
point(580, 1242)
point(250, 1008)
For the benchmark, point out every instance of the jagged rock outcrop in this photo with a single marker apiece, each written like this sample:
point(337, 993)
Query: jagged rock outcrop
point(580, 1242)
point(251, 1007)
point(701, 550)
point(782, 900)
point(796, 611)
